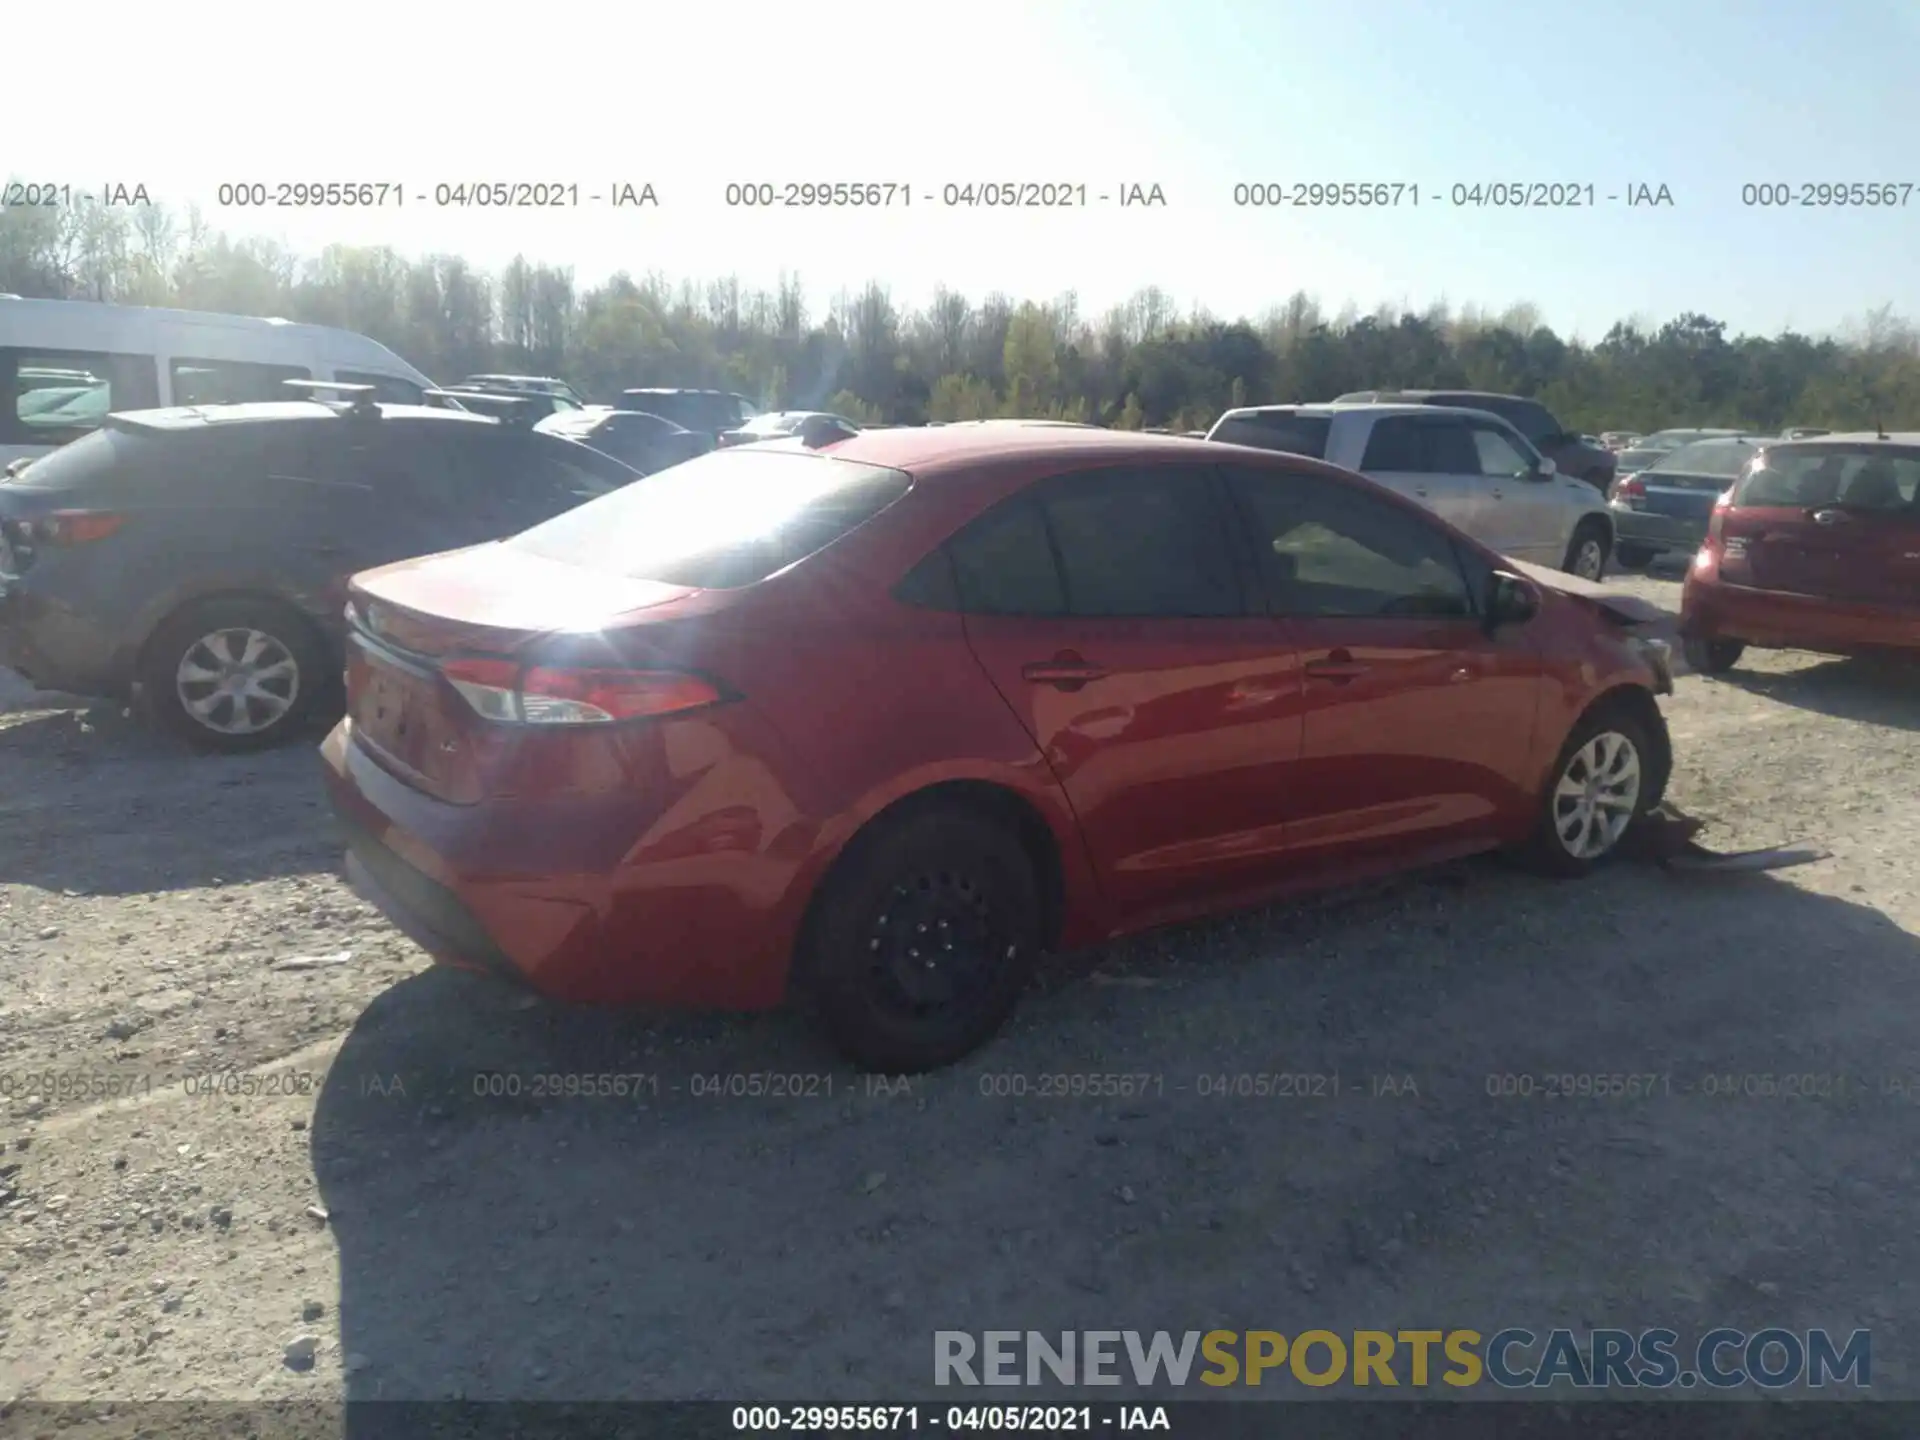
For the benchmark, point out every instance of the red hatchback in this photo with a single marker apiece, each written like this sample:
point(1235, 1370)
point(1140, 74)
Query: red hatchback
point(874, 728)
point(1815, 547)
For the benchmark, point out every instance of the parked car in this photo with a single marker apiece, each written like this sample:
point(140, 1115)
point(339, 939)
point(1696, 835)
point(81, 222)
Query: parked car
point(1816, 547)
point(1665, 442)
point(646, 442)
point(1574, 455)
point(705, 412)
point(1618, 440)
point(540, 384)
point(1469, 466)
point(1664, 508)
point(201, 555)
point(65, 364)
point(659, 750)
point(814, 427)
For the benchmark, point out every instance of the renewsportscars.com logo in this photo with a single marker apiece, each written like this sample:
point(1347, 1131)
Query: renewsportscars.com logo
point(1511, 1359)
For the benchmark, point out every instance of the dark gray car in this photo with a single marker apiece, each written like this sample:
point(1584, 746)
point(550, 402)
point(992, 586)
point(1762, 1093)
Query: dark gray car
point(1665, 508)
point(1572, 454)
point(202, 555)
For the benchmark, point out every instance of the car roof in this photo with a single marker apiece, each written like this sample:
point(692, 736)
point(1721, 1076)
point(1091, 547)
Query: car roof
point(933, 451)
point(1330, 408)
point(1871, 439)
point(1419, 394)
point(265, 412)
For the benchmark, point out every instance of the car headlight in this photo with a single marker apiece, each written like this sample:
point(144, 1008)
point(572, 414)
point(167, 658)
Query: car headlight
point(1659, 657)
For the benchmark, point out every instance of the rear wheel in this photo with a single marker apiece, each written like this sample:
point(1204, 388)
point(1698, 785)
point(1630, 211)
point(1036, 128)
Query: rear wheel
point(1587, 551)
point(919, 949)
point(1603, 781)
point(235, 673)
point(1634, 557)
point(1713, 657)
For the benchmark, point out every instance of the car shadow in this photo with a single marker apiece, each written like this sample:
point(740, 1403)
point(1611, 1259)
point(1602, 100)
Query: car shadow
point(1873, 690)
point(104, 804)
point(556, 1204)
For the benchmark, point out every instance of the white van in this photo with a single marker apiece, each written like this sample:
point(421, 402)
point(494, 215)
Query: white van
point(64, 364)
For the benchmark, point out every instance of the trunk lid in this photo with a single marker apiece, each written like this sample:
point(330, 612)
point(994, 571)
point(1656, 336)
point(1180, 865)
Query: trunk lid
point(408, 620)
point(1679, 494)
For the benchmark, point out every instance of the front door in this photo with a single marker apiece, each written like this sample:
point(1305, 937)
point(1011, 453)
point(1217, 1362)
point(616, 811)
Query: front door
point(1418, 722)
point(1109, 611)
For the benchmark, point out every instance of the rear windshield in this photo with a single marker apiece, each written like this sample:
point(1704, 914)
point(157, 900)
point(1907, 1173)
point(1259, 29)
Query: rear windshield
point(721, 521)
point(1276, 430)
point(1808, 477)
point(1705, 457)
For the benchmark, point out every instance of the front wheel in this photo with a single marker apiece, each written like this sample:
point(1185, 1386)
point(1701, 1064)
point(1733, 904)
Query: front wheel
point(1712, 657)
point(1587, 551)
point(1602, 782)
point(924, 939)
point(234, 673)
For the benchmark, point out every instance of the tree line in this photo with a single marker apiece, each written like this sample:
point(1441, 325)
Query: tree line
point(1144, 363)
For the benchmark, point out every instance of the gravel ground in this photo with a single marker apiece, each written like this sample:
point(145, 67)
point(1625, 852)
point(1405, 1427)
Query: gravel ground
point(355, 1201)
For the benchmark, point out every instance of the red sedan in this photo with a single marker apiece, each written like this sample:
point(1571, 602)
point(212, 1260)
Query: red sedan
point(1815, 547)
point(874, 728)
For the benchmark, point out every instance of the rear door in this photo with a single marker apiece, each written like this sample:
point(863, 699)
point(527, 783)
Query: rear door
point(1418, 723)
point(1829, 521)
point(1109, 611)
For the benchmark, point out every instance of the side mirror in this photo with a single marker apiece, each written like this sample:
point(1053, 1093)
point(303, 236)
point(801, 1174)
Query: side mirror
point(1510, 601)
point(1545, 470)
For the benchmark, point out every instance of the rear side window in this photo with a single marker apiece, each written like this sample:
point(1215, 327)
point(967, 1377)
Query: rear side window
point(1275, 430)
point(1412, 444)
point(1147, 541)
point(232, 382)
point(1882, 479)
point(1003, 563)
point(49, 397)
point(721, 521)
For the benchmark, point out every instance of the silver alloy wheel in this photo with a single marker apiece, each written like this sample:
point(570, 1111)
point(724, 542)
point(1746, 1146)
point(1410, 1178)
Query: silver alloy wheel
point(1590, 559)
point(1597, 795)
point(237, 681)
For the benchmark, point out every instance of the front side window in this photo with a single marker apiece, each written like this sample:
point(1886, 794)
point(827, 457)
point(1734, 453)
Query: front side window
point(1329, 550)
point(1499, 456)
point(50, 397)
point(232, 382)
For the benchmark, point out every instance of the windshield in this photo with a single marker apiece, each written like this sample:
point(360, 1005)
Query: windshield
point(720, 521)
point(1705, 457)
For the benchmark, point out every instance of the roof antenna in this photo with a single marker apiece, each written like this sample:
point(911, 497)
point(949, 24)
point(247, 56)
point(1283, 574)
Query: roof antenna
point(1879, 430)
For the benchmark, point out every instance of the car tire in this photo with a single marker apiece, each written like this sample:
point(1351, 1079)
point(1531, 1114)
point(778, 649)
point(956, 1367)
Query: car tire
point(1634, 557)
point(1588, 550)
point(253, 639)
point(946, 876)
point(1712, 657)
point(1608, 741)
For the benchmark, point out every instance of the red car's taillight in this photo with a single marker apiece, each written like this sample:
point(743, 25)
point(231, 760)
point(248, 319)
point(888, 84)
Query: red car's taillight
point(1717, 522)
point(547, 695)
point(72, 527)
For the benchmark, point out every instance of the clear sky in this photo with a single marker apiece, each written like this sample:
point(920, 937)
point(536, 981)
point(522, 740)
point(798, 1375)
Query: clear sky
point(1196, 96)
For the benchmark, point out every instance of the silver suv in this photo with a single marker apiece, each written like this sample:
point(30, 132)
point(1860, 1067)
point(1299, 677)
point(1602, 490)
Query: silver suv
point(1468, 466)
